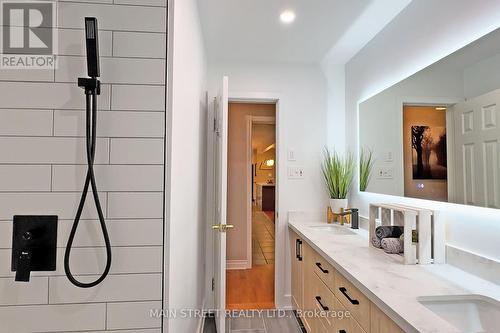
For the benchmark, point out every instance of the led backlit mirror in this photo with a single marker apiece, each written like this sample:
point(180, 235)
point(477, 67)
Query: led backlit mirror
point(436, 134)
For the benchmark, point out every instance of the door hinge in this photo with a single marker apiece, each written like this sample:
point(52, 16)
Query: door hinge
point(213, 284)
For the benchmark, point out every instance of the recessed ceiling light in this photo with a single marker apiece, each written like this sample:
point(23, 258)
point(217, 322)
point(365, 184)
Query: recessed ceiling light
point(287, 17)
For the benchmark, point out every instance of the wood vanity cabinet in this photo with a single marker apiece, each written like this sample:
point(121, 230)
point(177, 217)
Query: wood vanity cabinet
point(318, 287)
point(297, 271)
point(300, 259)
point(353, 301)
point(381, 323)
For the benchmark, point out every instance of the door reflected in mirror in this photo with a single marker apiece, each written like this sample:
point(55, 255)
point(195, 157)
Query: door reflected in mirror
point(425, 153)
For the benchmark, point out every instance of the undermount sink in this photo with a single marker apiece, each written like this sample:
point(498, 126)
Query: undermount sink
point(468, 313)
point(334, 229)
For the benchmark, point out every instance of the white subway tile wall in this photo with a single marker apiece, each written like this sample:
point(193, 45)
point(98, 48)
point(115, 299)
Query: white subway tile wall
point(126, 315)
point(42, 168)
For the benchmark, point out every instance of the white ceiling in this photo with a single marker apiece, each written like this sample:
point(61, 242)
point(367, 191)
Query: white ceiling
point(250, 30)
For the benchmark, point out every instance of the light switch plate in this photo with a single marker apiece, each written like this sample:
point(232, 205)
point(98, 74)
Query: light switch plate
point(291, 155)
point(296, 172)
point(385, 172)
point(388, 156)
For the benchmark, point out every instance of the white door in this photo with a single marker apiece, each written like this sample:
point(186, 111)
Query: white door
point(477, 150)
point(220, 185)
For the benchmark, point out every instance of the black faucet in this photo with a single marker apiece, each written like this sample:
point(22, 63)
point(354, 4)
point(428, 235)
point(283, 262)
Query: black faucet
point(354, 213)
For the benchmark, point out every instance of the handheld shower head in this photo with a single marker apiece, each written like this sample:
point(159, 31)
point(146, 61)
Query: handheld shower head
point(92, 45)
point(92, 87)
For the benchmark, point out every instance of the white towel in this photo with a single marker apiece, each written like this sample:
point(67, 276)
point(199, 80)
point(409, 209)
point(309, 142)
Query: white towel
point(392, 245)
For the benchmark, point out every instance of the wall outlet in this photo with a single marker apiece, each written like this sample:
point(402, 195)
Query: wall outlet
point(295, 172)
point(385, 172)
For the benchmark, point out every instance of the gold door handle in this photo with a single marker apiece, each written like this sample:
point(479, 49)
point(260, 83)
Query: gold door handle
point(222, 227)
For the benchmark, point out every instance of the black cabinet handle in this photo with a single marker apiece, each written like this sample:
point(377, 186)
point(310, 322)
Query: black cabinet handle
point(344, 291)
point(325, 308)
point(300, 250)
point(321, 268)
point(297, 249)
point(342, 331)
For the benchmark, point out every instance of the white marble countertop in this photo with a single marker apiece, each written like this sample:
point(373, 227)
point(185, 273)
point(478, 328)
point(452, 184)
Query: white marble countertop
point(391, 285)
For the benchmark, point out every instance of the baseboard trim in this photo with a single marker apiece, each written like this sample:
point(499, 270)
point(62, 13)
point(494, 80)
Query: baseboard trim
point(237, 264)
point(201, 322)
point(286, 302)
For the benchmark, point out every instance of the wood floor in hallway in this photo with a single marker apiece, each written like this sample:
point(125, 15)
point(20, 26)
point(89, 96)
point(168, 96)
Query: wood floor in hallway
point(254, 288)
point(251, 289)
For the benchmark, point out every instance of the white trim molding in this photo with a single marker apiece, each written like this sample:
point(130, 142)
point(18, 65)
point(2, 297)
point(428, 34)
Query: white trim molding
point(237, 264)
point(281, 266)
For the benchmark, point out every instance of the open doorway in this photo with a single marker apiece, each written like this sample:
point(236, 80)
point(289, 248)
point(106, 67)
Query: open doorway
point(425, 152)
point(252, 166)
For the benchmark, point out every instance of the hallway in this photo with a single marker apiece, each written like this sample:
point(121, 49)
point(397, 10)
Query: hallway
point(254, 288)
point(262, 238)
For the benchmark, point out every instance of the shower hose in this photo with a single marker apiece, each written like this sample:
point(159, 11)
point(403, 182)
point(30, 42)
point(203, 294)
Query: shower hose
point(91, 121)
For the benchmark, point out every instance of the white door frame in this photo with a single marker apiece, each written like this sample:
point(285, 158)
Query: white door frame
point(250, 120)
point(209, 302)
point(450, 130)
point(280, 299)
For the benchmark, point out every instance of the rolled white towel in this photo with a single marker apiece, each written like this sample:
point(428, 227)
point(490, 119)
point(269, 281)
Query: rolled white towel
point(392, 245)
point(376, 242)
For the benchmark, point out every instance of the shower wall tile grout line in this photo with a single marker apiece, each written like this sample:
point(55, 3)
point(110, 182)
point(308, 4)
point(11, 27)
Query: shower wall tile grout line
point(111, 96)
point(80, 303)
point(74, 83)
point(115, 4)
point(106, 318)
point(53, 122)
point(107, 204)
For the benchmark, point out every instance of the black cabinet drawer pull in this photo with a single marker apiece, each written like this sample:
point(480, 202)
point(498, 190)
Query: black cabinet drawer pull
point(300, 250)
point(321, 268)
point(344, 291)
point(342, 331)
point(325, 308)
point(297, 249)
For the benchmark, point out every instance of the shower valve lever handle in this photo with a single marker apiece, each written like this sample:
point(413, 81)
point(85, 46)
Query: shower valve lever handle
point(23, 270)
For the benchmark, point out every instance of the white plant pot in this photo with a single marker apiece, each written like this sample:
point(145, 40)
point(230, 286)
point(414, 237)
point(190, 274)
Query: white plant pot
point(337, 204)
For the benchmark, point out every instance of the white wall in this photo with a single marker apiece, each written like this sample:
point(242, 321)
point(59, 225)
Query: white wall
point(405, 46)
point(479, 79)
point(42, 169)
point(336, 134)
point(301, 126)
point(186, 164)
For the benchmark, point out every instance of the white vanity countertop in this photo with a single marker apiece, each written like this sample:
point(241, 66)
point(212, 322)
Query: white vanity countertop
point(391, 285)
